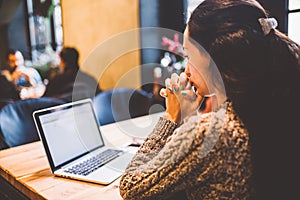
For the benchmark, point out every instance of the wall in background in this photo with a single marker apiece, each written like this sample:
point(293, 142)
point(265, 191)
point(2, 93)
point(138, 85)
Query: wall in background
point(91, 24)
point(96, 28)
point(13, 29)
point(18, 32)
point(167, 14)
point(277, 9)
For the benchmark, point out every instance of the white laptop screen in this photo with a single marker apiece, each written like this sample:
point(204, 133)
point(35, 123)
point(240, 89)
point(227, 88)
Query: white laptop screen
point(70, 132)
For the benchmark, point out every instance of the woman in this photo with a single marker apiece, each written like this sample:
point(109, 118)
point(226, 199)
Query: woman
point(241, 148)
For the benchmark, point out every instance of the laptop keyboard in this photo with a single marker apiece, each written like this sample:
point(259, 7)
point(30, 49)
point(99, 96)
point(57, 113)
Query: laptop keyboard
point(86, 167)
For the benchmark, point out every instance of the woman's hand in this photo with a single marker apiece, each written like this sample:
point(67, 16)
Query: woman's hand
point(18, 74)
point(181, 100)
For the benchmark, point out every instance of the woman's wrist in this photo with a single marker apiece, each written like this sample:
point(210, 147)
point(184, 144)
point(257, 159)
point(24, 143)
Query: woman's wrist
point(174, 118)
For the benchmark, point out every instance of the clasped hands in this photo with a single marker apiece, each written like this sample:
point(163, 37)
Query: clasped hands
point(181, 100)
point(15, 76)
point(18, 74)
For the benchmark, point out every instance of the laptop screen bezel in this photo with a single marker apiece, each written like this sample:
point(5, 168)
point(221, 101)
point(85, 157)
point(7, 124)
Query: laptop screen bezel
point(36, 116)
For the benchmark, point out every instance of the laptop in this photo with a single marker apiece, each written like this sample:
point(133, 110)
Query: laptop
point(74, 144)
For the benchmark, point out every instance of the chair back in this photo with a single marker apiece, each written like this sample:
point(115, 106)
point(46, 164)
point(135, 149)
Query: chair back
point(16, 121)
point(4, 102)
point(120, 104)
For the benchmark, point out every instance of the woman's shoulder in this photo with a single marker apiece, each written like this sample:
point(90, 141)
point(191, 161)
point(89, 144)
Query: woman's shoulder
point(223, 120)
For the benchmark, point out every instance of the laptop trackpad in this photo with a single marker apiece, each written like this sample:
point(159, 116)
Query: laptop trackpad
point(112, 170)
point(119, 164)
point(104, 175)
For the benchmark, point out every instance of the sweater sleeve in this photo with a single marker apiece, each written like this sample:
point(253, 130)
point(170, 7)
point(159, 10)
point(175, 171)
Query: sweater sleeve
point(166, 165)
point(153, 144)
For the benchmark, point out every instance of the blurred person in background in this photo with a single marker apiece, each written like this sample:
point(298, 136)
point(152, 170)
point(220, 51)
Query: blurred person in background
point(71, 83)
point(18, 73)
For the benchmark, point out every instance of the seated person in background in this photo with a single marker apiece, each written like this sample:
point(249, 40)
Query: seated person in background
point(72, 83)
point(18, 74)
point(246, 147)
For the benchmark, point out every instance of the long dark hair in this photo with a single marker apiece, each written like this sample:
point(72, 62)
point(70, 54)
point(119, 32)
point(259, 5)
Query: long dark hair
point(261, 74)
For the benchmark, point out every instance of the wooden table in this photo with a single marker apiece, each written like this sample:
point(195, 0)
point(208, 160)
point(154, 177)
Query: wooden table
point(26, 167)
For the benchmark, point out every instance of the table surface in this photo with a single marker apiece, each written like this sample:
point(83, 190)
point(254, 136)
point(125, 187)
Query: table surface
point(27, 169)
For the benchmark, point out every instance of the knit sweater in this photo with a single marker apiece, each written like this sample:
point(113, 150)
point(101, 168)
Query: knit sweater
point(207, 157)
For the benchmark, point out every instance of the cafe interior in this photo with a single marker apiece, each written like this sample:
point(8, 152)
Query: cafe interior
point(128, 46)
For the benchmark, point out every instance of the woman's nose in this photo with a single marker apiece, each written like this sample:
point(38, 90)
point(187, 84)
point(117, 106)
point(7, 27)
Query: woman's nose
point(187, 70)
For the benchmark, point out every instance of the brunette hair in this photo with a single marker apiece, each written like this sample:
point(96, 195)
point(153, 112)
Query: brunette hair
point(261, 74)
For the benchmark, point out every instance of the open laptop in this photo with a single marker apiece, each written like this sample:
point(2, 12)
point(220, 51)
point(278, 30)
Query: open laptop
point(74, 145)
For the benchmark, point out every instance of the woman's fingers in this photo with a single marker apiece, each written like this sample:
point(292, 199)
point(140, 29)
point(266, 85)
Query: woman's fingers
point(166, 92)
point(168, 84)
point(174, 78)
point(163, 92)
point(183, 81)
point(189, 94)
point(174, 82)
point(177, 83)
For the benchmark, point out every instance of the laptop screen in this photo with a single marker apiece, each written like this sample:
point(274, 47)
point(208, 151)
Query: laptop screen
point(69, 131)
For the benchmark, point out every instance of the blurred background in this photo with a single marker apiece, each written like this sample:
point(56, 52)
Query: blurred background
point(40, 28)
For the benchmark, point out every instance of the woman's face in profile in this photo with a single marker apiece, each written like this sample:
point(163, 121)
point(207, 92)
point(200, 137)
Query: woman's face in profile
point(197, 66)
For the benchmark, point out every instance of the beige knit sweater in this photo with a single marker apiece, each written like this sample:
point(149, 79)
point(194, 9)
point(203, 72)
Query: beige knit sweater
point(208, 157)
